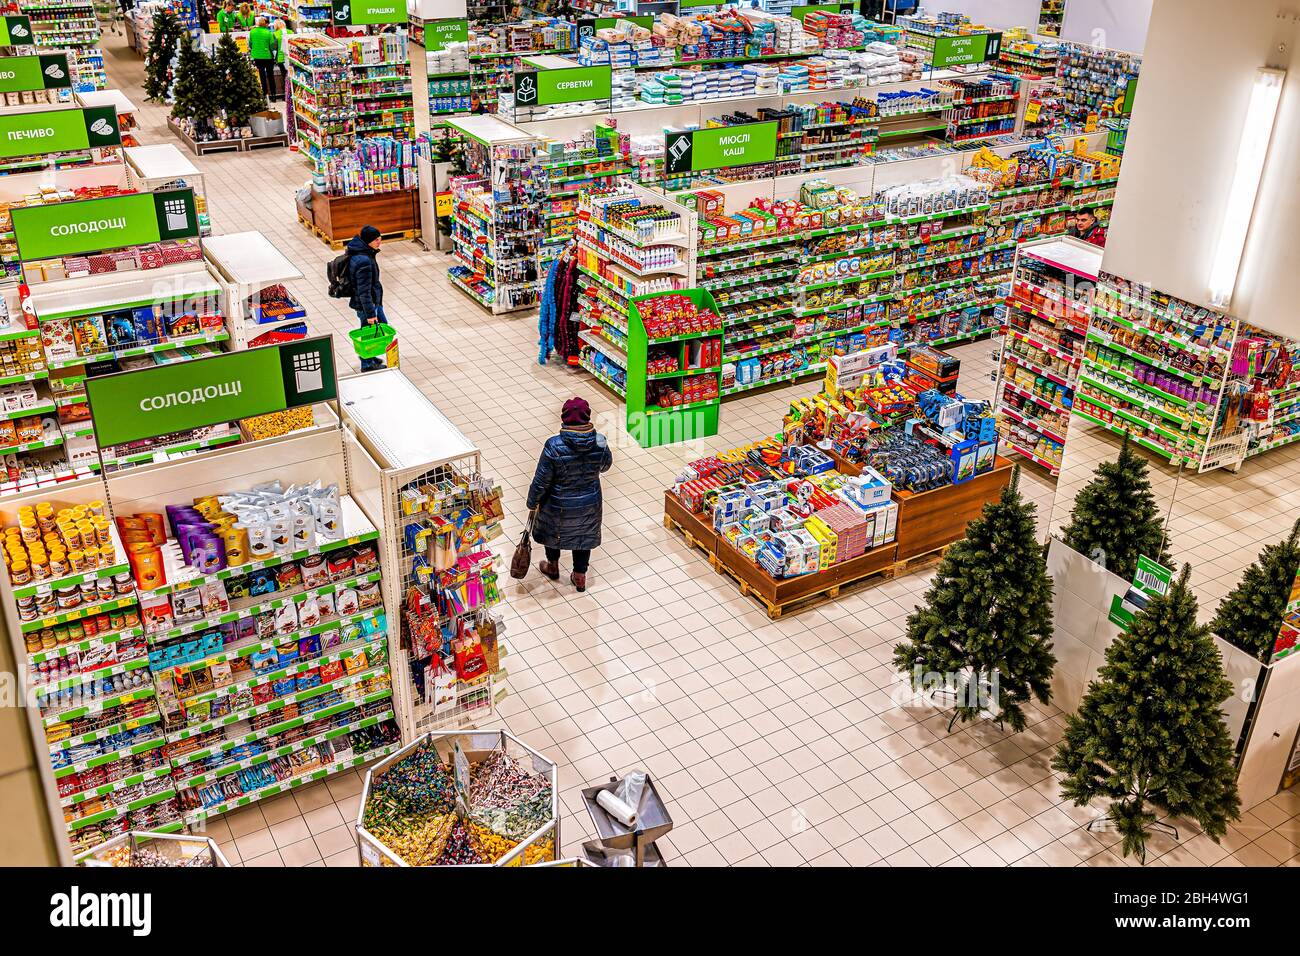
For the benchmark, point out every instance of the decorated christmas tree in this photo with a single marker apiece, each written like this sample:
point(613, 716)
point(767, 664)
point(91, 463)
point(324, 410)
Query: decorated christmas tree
point(983, 632)
point(197, 89)
point(1115, 517)
point(241, 92)
point(1149, 734)
point(158, 58)
point(1249, 617)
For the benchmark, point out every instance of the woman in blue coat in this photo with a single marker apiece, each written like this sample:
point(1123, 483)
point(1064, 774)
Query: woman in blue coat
point(566, 493)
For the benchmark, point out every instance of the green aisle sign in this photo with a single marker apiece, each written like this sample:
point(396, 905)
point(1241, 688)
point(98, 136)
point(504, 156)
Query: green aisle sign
point(58, 131)
point(48, 71)
point(15, 31)
point(439, 33)
point(130, 406)
point(575, 85)
point(90, 225)
point(720, 146)
point(966, 50)
point(367, 12)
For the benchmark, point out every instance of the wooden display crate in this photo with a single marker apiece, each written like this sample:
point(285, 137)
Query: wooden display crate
point(929, 521)
point(336, 219)
point(779, 596)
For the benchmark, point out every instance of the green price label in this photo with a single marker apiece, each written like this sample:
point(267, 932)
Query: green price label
point(90, 225)
point(1152, 579)
point(15, 31)
point(966, 50)
point(550, 87)
point(48, 71)
point(58, 131)
point(439, 34)
point(715, 148)
point(1130, 91)
point(684, 4)
point(367, 12)
point(130, 406)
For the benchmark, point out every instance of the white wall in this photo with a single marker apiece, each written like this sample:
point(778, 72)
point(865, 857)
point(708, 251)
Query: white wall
point(998, 14)
point(1113, 24)
point(1182, 148)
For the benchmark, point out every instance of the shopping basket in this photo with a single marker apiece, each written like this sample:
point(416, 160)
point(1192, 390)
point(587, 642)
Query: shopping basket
point(377, 340)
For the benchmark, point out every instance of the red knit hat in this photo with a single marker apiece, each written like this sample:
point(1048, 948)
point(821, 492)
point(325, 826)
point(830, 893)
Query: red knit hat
point(576, 412)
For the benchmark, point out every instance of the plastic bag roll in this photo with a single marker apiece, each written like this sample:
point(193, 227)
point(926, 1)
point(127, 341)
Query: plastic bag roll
point(617, 808)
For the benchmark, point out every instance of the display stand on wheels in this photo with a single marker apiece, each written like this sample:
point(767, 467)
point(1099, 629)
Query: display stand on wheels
point(436, 513)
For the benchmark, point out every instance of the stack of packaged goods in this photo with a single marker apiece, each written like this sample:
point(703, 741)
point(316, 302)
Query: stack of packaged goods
point(325, 117)
point(781, 502)
point(1091, 82)
point(376, 164)
point(382, 98)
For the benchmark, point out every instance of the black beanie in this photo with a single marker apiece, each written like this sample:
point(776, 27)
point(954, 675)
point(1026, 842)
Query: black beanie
point(369, 234)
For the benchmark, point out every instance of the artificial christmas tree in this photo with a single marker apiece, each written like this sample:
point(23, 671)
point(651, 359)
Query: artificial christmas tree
point(983, 632)
point(241, 93)
point(1149, 734)
point(158, 58)
point(1249, 617)
point(1115, 518)
point(197, 90)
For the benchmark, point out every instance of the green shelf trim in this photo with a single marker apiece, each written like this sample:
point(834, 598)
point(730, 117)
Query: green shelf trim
point(648, 424)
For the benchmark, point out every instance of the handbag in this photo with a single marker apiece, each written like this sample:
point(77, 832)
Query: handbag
point(523, 558)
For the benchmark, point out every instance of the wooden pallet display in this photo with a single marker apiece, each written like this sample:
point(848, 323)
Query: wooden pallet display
point(697, 532)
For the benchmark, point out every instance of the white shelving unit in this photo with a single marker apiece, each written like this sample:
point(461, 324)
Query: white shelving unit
point(149, 168)
point(1044, 346)
point(413, 445)
point(245, 264)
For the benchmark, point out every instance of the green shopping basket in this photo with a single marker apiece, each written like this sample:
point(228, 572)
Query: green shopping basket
point(375, 341)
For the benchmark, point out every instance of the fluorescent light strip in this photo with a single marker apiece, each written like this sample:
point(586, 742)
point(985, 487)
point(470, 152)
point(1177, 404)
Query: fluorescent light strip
point(1252, 149)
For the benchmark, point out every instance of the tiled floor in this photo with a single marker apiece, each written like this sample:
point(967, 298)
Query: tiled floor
point(785, 742)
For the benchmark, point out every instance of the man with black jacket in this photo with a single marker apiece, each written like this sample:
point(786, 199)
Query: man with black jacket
point(367, 291)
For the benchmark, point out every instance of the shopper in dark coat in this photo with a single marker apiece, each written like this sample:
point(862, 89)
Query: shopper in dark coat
point(367, 291)
point(566, 493)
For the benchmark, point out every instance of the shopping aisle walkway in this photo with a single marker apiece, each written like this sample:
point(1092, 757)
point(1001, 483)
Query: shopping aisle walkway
point(783, 742)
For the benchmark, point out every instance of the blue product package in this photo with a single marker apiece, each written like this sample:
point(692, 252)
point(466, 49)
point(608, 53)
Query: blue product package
point(148, 327)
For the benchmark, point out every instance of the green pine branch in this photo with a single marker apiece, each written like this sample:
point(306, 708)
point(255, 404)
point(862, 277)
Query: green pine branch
point(985, 626)
point(1149, 734)
point(1115, 517)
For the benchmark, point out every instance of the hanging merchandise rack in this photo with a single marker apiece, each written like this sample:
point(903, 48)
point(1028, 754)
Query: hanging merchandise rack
point(497, 215)
point(438, 515)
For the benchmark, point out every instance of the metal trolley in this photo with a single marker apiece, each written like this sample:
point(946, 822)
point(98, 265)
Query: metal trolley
point(540, 846)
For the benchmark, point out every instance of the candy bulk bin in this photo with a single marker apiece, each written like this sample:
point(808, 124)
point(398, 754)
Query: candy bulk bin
point(466, 799)
point(143, 849)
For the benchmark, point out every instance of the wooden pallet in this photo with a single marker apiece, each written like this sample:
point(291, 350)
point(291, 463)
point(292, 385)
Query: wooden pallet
point(806, 591)
point(697, 533)
point(337, 244)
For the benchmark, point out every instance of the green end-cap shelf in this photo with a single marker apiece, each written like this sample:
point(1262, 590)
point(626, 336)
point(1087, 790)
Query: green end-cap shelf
point(649, 425)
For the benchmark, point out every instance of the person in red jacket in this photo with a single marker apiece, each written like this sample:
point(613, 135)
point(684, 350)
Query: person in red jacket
point(1086, 226)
